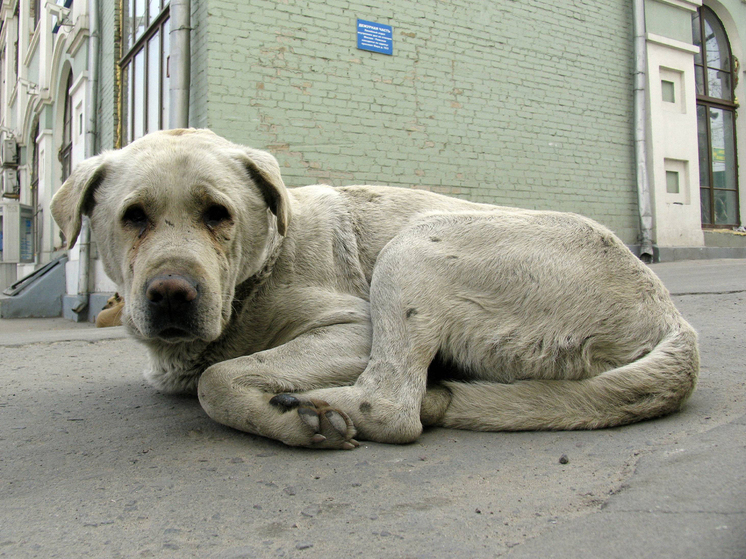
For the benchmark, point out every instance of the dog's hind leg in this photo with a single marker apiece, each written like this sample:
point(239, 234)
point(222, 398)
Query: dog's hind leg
point(537, 343)
point(657, 384)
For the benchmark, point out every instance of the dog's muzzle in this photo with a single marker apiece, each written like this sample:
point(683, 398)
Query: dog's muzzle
point(172, 302)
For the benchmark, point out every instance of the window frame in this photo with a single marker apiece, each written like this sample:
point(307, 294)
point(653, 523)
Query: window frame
point(36, 7)
point(709, 103)
point(66, 148)
point(140, 47)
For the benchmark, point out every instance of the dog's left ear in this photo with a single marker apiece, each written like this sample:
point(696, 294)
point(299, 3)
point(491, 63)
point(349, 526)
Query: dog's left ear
point(75, 197)
point(265, 173)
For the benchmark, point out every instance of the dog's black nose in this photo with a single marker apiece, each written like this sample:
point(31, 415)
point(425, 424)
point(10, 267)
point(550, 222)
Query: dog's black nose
point(172, 294)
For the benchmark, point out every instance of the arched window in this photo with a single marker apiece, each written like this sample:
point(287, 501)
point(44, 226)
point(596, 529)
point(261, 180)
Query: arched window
point(66, 151)
point(715, 79)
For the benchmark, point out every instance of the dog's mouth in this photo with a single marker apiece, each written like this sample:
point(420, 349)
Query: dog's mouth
point(175, 335)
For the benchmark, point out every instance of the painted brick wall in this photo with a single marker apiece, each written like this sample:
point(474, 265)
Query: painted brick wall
point(200, 51)
point(517, 103)
point(107, 102)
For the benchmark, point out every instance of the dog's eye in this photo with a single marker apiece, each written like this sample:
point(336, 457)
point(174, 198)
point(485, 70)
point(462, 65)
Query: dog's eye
point(135, 216)
point(216, 215)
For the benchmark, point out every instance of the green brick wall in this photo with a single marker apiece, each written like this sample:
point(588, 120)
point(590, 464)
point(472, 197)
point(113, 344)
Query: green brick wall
point(518, 103)
point(199, 88)
point(109, 56)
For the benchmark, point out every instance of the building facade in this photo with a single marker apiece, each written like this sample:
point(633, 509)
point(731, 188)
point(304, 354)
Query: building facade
point(528, 104)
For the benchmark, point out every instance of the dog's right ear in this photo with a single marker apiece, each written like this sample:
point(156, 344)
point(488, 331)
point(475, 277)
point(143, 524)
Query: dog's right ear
point(265, 173)
point(75, 197)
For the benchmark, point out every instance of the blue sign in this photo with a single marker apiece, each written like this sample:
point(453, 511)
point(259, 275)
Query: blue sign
point(375, 37)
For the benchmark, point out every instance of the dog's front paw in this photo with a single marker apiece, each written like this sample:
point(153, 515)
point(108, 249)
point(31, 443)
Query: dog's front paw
point(325, 427)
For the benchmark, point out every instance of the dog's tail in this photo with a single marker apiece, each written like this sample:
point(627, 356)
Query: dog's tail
point(654, 385)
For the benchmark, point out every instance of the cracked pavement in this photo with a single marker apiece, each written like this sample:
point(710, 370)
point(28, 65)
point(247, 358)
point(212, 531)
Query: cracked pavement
point(94, 463)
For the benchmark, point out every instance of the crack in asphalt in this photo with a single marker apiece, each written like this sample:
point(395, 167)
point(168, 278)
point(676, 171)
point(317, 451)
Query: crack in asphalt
point(733, 292)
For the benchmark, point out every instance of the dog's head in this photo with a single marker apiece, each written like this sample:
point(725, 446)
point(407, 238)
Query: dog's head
point(180, 219)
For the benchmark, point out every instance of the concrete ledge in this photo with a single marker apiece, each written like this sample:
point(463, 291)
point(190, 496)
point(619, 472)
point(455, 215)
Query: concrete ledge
point(96, 302)
point(38, 295)
point(676, 254)
point(673, 254)
point(725, 238)
point(719, 243)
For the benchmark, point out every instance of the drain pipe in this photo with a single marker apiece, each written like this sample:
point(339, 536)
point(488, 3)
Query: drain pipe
point(644, 200)
point(84, 239)
point(181, 63)
point(93, 57)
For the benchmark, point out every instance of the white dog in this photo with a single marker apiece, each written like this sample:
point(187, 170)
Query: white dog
point(318, 314)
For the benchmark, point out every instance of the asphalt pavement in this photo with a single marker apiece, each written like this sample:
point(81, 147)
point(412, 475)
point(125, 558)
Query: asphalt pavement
point(94, 463)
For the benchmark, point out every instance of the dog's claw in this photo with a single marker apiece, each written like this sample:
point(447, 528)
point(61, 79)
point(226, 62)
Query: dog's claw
point(350, 444)
point(318, 438)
